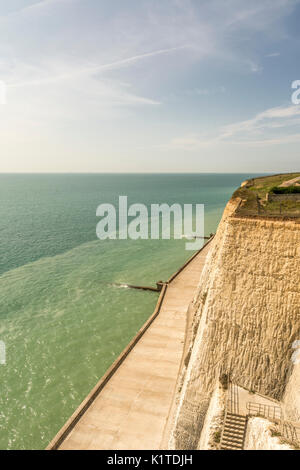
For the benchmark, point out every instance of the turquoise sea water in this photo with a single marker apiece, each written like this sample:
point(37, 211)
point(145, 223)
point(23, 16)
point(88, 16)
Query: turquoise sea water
point(61, 319)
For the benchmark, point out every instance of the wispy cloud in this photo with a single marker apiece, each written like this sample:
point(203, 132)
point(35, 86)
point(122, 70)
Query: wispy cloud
point(274, 118)
point(273, 54)
point(125, 38)
point(74, 66)
point(205, 91)
point(88, 71)
point(35, 7)
point(270, 127)
point(92, 80)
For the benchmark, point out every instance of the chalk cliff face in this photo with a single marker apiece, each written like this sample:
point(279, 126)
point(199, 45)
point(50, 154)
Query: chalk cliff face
point(246, 318)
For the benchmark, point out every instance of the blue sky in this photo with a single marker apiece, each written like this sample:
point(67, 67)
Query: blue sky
point(149, 85)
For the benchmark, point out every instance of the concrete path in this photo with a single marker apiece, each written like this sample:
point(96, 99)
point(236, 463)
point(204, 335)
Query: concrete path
point(294, 181)
point(132, 409)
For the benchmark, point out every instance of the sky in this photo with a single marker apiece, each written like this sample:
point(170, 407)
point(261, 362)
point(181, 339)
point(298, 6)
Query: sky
point(149, 86)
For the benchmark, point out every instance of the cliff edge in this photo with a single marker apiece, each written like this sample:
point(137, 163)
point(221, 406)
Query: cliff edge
point(245, 320)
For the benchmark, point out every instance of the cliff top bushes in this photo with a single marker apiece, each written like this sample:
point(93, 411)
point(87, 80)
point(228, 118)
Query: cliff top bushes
point(255, 203)
point(285, 190)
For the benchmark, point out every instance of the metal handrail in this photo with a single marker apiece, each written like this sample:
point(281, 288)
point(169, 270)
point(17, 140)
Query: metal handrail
point(290, 432)
point(267, 411)
point(233, 400)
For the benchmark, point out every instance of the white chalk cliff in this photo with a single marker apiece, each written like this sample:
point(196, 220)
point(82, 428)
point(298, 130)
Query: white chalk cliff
point(246, 317)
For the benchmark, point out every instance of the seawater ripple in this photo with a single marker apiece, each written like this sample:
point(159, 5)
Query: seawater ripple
point(62, 321)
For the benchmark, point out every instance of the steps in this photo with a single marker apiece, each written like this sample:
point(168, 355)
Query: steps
point(233, 432)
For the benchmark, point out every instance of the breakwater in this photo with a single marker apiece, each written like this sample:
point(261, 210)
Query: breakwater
point(137, 390)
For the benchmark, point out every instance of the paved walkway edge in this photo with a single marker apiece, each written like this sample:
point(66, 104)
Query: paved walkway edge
point(79, 412)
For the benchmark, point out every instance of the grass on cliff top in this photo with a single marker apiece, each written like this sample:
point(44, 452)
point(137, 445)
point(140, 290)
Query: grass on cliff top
point(260, 187)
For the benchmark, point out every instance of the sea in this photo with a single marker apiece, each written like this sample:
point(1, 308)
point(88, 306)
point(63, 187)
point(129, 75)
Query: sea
point(63, 317)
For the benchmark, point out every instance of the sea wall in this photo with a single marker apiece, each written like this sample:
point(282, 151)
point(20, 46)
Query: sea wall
point(246, 319)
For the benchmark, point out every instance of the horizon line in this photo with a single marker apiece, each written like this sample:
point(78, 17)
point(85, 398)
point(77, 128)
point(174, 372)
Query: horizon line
point(147, 173)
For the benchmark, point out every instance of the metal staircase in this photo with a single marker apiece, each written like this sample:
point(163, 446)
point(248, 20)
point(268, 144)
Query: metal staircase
point(234, 432)
point(235, 425)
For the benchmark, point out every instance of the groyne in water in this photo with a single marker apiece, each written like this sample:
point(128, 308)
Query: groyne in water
point(158, 288)
point(129, 407)
point(243, 323)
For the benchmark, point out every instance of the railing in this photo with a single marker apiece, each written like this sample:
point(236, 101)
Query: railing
point(231, 405)
point(287, 430)
point(233, 400)
point(290, 432)
point(190, 259)
point(266, 411)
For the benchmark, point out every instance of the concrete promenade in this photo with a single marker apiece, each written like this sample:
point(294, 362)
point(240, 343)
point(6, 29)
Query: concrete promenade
point(131, 410)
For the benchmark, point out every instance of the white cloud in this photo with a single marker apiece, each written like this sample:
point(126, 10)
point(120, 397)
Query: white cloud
point(270, 119)
point(35, 8)
point(205, 91)
point(273, 54)
point(270, 127)
point(74, 64)
point(88, 71)
point(209, 29)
